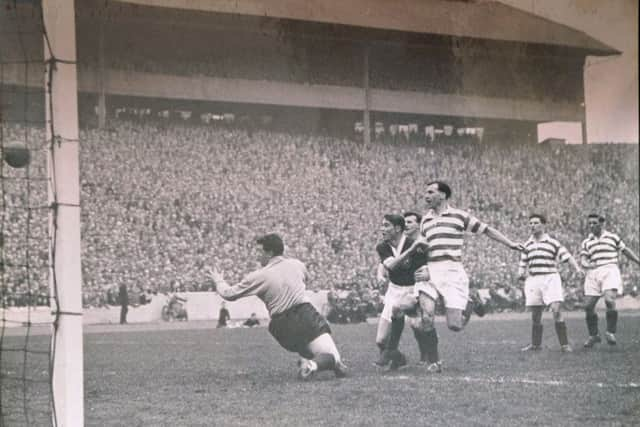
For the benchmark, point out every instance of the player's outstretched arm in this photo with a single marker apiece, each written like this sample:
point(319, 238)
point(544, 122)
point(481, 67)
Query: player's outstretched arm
point(231, 293)
point(494, 234)
point(392, 263)
point(631, 255)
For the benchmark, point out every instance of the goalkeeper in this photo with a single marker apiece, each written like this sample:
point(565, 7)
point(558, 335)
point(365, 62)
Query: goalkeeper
point(295, 323)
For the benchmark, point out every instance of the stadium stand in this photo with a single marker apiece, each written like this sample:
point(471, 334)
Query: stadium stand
point(159, 202)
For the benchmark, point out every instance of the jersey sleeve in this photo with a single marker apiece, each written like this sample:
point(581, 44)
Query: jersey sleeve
point(583, 249)
point(248, 286)
point(473, 224)
point(383, 251)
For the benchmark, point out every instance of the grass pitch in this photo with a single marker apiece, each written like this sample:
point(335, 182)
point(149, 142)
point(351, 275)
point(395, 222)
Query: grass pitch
point(195, 375)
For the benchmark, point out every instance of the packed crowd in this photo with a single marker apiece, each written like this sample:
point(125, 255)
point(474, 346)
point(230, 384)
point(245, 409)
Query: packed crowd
point(159, 202)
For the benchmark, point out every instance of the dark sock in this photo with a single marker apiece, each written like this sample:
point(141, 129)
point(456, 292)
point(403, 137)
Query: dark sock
point(325, 361)
point(479, 309)
point(536, 334)
point(612, 321)
point(431, 345)
point(423, 345)
point(397, 359)
point(561, 331)
point(381, 346)
point(592, 323)
point(397, 326)
point(466, 313)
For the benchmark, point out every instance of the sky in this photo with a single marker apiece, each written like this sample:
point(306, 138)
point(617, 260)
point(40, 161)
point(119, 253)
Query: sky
point(611, 83)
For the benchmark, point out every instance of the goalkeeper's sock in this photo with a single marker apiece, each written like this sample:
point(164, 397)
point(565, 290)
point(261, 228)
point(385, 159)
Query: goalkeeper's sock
point(325, 361)
point(612, 321)
point(561, 331)
point(397, 326)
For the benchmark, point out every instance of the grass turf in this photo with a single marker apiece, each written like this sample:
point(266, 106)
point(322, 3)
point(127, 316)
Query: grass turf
point(241, 377)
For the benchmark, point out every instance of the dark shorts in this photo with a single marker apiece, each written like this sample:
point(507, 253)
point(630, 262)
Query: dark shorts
point(295, 328)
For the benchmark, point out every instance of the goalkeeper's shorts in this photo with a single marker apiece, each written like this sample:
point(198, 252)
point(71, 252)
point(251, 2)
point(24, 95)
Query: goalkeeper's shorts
point(296, 327)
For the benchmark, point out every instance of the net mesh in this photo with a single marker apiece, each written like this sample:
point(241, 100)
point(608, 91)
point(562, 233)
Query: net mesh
point(26, 332)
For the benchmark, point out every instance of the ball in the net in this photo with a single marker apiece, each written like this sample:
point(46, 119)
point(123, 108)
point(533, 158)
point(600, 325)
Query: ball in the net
point(16, 154)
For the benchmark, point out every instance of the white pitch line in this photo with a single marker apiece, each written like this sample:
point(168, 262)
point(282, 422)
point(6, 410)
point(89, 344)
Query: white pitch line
point(503, 380)
point(527, 381)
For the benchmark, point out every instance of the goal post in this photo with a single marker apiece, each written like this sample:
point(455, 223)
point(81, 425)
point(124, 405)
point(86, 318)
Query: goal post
point(65, 278)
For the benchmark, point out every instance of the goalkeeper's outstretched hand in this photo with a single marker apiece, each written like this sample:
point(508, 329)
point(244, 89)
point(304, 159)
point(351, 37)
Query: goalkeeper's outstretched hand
point(214, 274)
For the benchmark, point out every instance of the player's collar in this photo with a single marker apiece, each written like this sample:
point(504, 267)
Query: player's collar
point(275, 260)
point(432, 213)
point(543, 238)
point(602, 234)
point(397, 250)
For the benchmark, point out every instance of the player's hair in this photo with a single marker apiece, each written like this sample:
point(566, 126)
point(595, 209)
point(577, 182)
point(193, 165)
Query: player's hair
point(443, 187)
point(395, 220)
point(417, 215)
point(542, 218)
point(271, 242)
point(599, 217)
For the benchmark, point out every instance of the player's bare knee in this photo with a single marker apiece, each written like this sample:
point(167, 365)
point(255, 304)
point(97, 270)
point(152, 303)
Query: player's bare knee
point(397, 312)
point(556, 309)
point(425, 322)
point(415, 322)
point(590, 306)
point(610, 299)
point(455, 324)
point(454, 320)
point(324, 344)
point(557, 315)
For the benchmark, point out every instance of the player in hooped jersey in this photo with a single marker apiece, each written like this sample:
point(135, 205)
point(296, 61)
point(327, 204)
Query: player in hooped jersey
point(538, 269)
point(599, 254)
point(442, 229)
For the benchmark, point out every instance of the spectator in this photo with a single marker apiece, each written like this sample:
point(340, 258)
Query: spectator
point(223, 316)
point(123, 298)
point(251, 321)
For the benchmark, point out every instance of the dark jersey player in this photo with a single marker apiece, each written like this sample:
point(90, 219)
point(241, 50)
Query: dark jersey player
point(400, 298)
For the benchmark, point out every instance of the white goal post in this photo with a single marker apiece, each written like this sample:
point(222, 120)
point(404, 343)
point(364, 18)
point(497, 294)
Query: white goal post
point(65, 275)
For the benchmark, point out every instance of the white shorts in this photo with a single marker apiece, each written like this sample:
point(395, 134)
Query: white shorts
point(397, 296)
point(602, 279)
point(448, 279)
point(543, 289)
